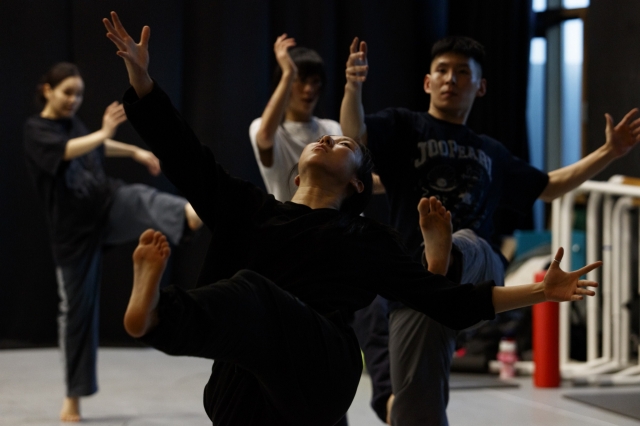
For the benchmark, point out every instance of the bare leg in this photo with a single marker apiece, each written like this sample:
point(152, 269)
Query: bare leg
point(435, 224)
point(70, 411)
point(149, 261)
point(193, 220)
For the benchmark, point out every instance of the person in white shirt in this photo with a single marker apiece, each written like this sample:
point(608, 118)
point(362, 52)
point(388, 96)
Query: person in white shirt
point(287, 123)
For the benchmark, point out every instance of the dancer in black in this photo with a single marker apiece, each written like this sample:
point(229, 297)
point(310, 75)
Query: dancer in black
point(284, 275)
point(87, 210)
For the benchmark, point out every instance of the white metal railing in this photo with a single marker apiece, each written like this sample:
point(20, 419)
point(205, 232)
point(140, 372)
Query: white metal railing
point(609, 239)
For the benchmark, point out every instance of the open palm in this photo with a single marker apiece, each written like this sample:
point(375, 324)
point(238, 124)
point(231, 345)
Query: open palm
point(625, 135)
point(135, 55)
point(561, 286)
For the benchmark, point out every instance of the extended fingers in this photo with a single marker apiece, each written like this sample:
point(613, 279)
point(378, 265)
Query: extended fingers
point(587, 283)
point(588, 268)
point(354, 46)
point(144, 36)
point(558, 258)
point(363, 48)
point(118, 25)
point(628, 117)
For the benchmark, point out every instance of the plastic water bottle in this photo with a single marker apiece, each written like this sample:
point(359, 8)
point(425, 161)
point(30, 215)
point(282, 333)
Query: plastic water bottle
point(507, 357)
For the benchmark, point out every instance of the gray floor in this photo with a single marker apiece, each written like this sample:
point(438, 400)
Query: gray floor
point(142, 387)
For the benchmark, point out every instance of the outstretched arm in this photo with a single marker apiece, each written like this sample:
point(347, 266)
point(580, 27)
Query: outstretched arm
point(113, 116)
point(142, 156)
point(558, 286)
point(619, 140)
point(351, 111)
point(275, 109)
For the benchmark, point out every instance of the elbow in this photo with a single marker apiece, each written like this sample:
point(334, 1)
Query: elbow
point(264, 140)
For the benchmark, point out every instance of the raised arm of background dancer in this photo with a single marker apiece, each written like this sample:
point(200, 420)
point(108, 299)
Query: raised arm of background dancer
point(620, 139)
point(351, 110)
point(142, 156)
point(558, 286)
point(274, 111)
point(189, 165)
point(113, 116)
point(135, 55)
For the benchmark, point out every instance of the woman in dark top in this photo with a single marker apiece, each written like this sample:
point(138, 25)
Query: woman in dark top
point(283, 275)
point(86, 210)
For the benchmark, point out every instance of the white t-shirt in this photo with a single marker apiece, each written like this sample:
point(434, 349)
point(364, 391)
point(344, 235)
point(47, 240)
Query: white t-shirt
point(288, 143)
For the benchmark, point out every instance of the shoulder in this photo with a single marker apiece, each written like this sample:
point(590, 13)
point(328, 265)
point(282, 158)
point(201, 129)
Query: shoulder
point(491, 143)
point(254, 126)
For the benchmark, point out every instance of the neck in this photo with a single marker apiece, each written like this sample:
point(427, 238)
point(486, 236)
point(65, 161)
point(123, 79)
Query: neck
point(455, 117)
point(49, 113)
point(317, 197)
point(297, 116)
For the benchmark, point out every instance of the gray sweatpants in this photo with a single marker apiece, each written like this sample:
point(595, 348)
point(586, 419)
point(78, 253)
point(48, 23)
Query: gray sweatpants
point(421, 349)
point(135, 208)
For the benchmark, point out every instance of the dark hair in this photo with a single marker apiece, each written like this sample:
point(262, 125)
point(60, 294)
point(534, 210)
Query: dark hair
point(358, 201)
point(308, 62)
point(53, 77)
point(464, 46)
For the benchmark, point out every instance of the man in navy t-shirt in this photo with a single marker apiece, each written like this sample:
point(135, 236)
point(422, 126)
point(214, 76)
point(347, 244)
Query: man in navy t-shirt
point(433, 153)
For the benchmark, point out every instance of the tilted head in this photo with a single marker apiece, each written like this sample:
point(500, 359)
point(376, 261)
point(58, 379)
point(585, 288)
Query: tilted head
point(455, 78)
point(339, 163)
point(60, 91)
point(307, 86)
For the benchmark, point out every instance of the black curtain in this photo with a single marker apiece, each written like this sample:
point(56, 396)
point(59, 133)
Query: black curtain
point(505, 28)
point(215, 59)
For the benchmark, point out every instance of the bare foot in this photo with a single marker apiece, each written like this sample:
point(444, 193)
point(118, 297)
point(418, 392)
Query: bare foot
point(435, 224)
point(193, 220)
point(70, 411)
point(149, 261)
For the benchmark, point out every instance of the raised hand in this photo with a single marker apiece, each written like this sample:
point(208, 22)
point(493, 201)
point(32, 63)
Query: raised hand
point(625, 135)
point(357, 66)
point(135, 55)
point(560, 286)
point(281, 49)
point(113, 116)
point(148, 159)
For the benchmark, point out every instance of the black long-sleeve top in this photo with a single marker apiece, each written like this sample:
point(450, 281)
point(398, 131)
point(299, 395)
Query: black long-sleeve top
point(318, 255)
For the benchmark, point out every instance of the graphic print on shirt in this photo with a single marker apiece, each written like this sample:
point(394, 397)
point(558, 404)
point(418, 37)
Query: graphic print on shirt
point(458, 175)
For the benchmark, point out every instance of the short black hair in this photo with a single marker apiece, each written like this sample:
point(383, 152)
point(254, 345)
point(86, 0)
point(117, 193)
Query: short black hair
point(356, 202)
point(464, 46)
point(308, 62)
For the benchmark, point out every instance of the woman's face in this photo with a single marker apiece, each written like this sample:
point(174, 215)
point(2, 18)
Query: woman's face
point(64, 100)
point(304, 97)
point(335, 158)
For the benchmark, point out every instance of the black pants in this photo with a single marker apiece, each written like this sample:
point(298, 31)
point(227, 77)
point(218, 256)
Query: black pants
point(277, 361)
point(134, 209)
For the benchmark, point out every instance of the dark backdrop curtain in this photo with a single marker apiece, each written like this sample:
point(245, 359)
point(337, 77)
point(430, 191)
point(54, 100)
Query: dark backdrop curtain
point(505, 28)
point(215, 59)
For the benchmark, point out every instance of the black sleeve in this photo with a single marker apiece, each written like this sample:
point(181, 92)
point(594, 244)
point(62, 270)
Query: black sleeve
point(523, 184)
point(396, 276)
point(44, 144)
point(385, 130)
point(216, 196)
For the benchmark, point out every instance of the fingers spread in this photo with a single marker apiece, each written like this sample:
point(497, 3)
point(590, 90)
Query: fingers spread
point(363, 47)
point(118, 25)
point(144, 36)
point(588, 268)
point(354, 45)
point(629, 116)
